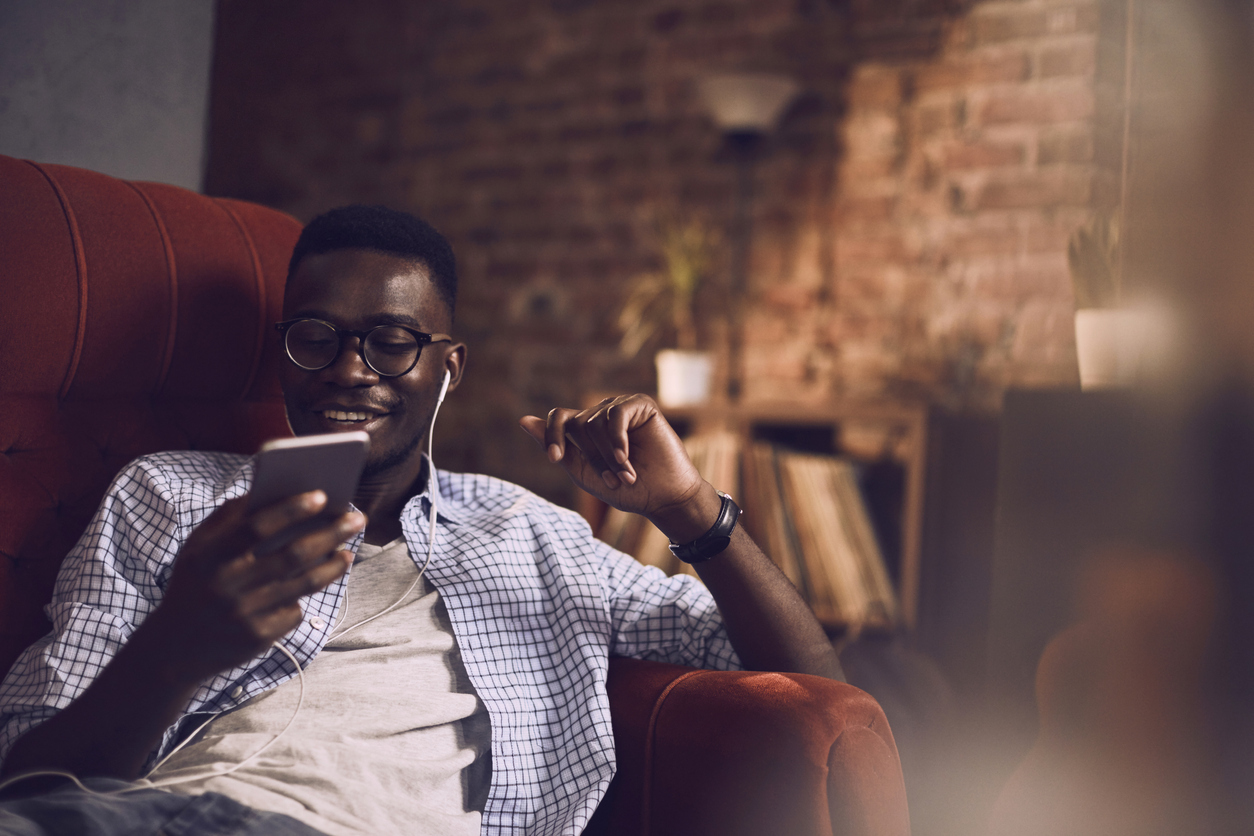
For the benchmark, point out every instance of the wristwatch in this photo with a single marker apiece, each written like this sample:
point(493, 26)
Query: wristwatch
point(713, 541)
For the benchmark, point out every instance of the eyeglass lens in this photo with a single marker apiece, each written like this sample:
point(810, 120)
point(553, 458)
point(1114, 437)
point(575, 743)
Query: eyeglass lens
point(388, 350)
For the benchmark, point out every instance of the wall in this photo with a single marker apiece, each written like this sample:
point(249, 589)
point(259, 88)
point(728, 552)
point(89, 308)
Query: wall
point(911, 213)
point(118, 86)
point(964, 175)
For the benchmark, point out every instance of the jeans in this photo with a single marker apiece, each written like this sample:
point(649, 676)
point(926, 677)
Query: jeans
point(69, 811)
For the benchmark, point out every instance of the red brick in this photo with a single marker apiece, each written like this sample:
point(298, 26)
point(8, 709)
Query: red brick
point(994, 27)
point(874, 91)
point(870, 208)
point(972, 155)
point(969, 71)
point(1039, 107)
point(1075, 59)
point(1019, 279)
point(1035, 190)
point(864, 169)
point(934, 119)
point(983, 241)
point(1065, 146)
point(1015, 24)
point(873, 249)
point(789, 296)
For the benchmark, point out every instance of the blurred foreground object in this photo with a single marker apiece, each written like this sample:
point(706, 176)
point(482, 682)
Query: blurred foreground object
point(1123, 746)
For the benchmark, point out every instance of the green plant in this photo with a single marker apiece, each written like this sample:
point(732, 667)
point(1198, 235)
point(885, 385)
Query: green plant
point(665, 299)
point(1093, 256)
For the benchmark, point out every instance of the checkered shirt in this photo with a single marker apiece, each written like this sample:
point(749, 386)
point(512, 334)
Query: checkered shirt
point(536, 602)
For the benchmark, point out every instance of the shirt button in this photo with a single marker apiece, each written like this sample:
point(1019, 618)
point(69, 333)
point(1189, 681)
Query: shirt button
point(236, 691)
point(316, 623)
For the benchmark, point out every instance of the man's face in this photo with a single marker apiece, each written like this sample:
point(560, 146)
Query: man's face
point(357, 290)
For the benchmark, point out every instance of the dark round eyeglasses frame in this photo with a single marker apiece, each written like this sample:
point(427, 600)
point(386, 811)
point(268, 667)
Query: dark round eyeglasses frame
point(424, 339)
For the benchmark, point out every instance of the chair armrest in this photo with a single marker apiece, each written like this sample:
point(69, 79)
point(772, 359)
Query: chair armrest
point(706, 752)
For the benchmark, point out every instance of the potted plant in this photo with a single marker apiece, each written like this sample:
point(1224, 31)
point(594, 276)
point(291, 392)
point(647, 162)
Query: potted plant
point(662, 301)
point(1093, 256)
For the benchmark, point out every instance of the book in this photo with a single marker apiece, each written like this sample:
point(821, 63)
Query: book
point(849, 580)
point(766, 519)
point(805, 511)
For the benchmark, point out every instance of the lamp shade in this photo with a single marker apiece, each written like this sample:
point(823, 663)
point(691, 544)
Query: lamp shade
point(749, 102)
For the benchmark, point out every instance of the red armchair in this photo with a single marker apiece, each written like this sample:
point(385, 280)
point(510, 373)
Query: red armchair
point(134, 318)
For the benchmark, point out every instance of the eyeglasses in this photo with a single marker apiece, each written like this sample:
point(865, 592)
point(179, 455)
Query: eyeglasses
point(389, 350)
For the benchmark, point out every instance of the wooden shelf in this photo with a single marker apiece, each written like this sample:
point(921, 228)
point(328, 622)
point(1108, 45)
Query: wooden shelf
point(901, 426)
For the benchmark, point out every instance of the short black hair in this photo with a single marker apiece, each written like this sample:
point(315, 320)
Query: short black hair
point(386, 230)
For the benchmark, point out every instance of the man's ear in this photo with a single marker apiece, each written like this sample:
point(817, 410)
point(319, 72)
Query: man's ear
point(455, 364)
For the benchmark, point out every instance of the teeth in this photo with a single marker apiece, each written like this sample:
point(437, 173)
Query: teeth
point(348, 416)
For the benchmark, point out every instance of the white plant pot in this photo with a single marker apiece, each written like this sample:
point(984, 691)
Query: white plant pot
point(1097, 347)
point(1122, 346)
point(684, 377)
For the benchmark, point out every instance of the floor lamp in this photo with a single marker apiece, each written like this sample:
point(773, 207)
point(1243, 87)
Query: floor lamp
point(746, 107)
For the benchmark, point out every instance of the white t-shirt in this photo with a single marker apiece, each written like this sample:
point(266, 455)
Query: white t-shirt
point(391, 737)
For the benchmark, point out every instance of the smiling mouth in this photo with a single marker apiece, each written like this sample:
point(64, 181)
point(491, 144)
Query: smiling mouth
point(349, 417)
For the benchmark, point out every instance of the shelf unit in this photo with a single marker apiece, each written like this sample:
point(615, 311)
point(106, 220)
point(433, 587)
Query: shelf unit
point(827, 428)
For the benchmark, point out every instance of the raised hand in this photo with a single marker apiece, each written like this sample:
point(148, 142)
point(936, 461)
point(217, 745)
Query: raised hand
point(225, 604)
point(623, 452)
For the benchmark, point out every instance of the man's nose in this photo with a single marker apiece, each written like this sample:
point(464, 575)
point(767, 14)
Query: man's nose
point(349, 367)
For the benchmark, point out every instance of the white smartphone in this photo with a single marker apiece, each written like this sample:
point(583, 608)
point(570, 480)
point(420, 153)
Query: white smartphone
point(288, 466)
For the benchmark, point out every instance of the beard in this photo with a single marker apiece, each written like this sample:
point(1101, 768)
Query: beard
point(392, 459)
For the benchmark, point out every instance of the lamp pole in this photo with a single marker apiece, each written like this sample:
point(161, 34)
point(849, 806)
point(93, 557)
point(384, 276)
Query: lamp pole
point(745, 106)
point(745, 146)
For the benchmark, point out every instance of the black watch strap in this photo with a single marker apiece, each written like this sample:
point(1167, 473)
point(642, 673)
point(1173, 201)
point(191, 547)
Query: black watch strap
point(713, 541)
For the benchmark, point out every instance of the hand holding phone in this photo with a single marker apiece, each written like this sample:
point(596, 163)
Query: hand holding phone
point(285, 467)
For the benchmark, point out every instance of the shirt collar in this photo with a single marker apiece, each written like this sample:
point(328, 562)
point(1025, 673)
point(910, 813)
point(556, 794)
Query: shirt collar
point(448, 507)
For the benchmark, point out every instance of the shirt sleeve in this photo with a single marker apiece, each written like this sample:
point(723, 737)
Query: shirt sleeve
point(663, 619)
point(108, 583)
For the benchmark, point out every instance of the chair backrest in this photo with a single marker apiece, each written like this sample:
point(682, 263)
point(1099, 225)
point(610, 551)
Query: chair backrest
point(134, 317)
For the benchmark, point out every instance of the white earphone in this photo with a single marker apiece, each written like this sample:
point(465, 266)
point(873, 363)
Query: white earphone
point(448, 377)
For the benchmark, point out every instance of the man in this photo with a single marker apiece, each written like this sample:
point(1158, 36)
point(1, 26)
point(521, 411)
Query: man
point(462, 695)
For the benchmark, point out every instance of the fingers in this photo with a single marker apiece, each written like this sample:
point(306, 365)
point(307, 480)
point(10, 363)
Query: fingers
point(285, 593)
point(556, 435)
point(272, 519)
point(267, 612)
point(299, 556)
point(232, 531)
point(613, 421)
point(600, 434)
point(533, 427)
point(596, 445)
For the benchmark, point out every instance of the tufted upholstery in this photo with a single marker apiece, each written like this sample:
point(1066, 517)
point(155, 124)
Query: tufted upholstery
point(132, 319)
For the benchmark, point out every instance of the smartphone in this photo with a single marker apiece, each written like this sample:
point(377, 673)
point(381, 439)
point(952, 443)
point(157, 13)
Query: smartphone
point(288, 466)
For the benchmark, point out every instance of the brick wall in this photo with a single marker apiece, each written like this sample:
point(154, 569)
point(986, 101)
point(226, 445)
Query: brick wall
point(963, 175)
point(910, 218)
